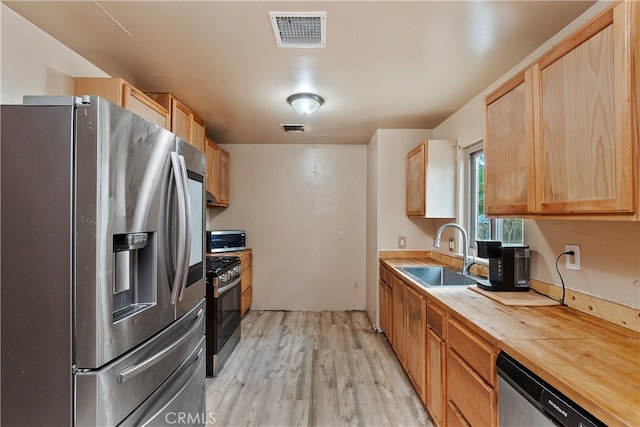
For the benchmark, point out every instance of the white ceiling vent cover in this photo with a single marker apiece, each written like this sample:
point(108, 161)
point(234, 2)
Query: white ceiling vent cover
point(299, 29)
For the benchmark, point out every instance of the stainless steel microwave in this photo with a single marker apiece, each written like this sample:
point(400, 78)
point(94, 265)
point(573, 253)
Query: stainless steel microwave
point(226, 240)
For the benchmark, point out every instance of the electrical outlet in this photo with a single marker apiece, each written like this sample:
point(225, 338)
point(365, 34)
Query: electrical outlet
point(340, 235)
point(572, 261)
point(452, 244)
point(402, 242)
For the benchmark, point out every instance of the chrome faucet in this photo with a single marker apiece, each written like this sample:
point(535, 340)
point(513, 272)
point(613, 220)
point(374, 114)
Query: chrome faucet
point(465, 247)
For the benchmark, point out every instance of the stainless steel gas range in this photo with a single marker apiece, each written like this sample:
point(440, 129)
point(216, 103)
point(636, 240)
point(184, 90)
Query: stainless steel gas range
point(223, 310)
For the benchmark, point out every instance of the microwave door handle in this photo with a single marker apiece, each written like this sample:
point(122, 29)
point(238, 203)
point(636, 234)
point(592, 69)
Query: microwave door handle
point(187, 228)
point(179, 273)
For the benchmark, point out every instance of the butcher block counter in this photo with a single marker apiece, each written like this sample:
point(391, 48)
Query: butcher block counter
point(593, 362)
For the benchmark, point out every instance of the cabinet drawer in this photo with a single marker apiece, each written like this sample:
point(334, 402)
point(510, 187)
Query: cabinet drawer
point(246, 278)
point(245, 300)
point(454, 417)
point(385, 275)
point(436, 319)
point(474, 398)
point(476, 352)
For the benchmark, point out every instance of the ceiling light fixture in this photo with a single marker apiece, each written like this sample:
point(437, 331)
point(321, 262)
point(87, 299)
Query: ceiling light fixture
point(305, 103)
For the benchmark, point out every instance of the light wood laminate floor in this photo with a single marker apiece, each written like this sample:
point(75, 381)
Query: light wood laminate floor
point(312, 369)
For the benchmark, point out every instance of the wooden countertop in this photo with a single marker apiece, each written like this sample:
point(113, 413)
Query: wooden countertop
point(593, 362)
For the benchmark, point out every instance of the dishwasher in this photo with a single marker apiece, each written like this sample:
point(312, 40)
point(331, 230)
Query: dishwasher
point(524, 399)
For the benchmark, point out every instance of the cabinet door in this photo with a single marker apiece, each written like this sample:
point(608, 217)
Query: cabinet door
point(246, 298)
point(454, 417)
point(475, 399)
point(585, 158)
point(224, 163)
point(389, 310)
point(181, 118)
point(416, 352)
point(138, 102)
point(212, 154)
point(431, 177)
point(509, 148)
point(399, 336)
point(197, 133)
point(382, 305)
point(436, 392)
point(104, 87)
point(416, 162)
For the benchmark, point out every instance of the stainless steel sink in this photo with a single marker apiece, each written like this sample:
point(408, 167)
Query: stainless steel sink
point(437, 276)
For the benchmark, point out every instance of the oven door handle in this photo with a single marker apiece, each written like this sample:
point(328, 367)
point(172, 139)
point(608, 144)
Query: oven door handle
point(227, 288)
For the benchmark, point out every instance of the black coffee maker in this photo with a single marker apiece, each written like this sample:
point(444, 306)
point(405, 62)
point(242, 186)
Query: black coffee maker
point(508, 266)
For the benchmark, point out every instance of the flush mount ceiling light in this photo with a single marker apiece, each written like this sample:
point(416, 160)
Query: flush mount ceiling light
point(305, 103)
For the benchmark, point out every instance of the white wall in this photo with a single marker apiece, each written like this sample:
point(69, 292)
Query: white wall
point(293, 200)
point(34, 63)
point(372, 231)
point(610, 250)
point(386, 201)
point(393, 147)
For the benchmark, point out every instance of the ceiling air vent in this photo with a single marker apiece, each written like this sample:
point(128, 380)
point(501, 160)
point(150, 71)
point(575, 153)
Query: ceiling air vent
point(299, 29)
point(292, 128)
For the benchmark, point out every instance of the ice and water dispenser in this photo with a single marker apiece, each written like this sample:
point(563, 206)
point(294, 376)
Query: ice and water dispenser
point(134, 266)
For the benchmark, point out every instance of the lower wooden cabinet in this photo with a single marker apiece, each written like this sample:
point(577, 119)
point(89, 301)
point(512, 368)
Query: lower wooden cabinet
point(416, 327)
point(469, 393)
point(454, 417)
point(398, 320)
point(451, 367)
point(436, 391)
point(382, 305)
point(385, 303)
point(471, 375)
point(478, 354)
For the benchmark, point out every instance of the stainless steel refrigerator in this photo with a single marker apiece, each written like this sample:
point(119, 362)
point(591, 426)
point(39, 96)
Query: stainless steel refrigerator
point(102, 268)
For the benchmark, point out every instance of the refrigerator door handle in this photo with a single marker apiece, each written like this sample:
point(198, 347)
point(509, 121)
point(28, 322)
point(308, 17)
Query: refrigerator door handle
point(187, 242)
point(182, 227)
point(137, 368)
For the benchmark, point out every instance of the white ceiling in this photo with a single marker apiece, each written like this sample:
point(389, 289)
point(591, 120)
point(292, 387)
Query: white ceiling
point(387, 64)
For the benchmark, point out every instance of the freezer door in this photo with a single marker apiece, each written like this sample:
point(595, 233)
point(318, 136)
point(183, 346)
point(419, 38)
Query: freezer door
point(123, 274)
point(171, 360)
point(180, 400)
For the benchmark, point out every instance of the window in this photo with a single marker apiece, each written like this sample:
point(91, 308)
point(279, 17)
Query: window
point(508, 230)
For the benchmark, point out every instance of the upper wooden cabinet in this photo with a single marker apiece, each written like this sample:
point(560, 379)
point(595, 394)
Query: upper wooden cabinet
point(197, 133)
point(509, 153)
point(585, 144)
point(431, 178)
point(120, 92)
point(223, 189)
point(561, 139)
point(217, 173)
point(184, 123)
